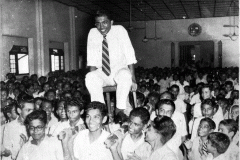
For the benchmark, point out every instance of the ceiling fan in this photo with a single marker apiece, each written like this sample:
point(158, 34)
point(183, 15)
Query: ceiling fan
point(130, 27)
point(233, 36)
point(145, 39)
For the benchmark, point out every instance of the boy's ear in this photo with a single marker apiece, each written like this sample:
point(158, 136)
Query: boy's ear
point(104, 119)
point(231, 134)
point(82, 111)
point(112, 22)
point(19, 110)
point(9, 114)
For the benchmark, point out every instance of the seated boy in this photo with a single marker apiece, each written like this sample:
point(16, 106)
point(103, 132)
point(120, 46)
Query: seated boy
point(217, 145)
point(228, 88)
point(11, 112)
point(224, 104)
point(230, 128)
point(15, 131)
point(39, 146)
point(198, 146)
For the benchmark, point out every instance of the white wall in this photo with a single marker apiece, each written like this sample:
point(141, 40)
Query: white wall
point(41, 24)
point(158, 53)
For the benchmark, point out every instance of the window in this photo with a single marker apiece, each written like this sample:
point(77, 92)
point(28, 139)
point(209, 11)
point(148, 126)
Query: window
point(19, 60)
point(56, 59)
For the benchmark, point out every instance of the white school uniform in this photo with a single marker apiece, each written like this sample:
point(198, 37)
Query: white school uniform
point(84, 150)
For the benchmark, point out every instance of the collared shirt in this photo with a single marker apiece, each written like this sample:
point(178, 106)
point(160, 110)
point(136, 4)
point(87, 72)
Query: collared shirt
point(60, 126)
point(219, 157)
point(163, 153)
point(128, 145)
point(12, 139)
point(232, 153)
point(181, 106)
point(121, 52)
point(195, 154)
point(84, 150)
point(52, 122)
point(49, 149)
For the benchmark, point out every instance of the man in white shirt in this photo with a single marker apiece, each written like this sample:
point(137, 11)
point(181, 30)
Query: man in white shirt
point(111, 59)
point(180, 105)
point(15, 132)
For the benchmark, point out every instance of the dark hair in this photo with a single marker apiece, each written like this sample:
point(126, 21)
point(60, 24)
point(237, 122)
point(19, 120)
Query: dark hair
point(49, 91)
point(210, 122)
point(174, 86)
point(9, 108)
point(169, 93)
point(140, 96)
point(101, 13)
point(76, 102)
point(97, 105)
point(46, 101)
point(231, 125)
point(167, 102)
point(209, 102)
point(23, 101)
point(37, 114)
point(154, 94)
point(219, 141)
point(229, 83)
point(164, 126)
point(38, 98)
point(142, 113)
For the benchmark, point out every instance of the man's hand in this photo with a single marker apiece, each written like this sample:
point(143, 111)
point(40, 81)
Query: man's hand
point(133, 156)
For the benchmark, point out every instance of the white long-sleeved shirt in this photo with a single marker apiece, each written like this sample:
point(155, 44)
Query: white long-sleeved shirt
point(121, 52)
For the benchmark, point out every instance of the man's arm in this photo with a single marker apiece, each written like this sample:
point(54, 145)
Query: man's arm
point(132, 70)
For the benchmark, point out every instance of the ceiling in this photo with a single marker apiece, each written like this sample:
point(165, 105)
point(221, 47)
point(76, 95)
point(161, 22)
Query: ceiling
point(142, 10)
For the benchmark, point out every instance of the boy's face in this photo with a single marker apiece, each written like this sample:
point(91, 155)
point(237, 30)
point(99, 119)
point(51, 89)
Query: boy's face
point(135, 125)
point(27, 109)
point(235, 112)
point(13, 113)
point(94, 120)
point(37, 104)
point(37, 129)
point(46, 87)
point(3, 95)
point(165, 110)
point(103, 24)
point(206, 93)
point(73, 113)
point(207, 111)
point(175, 92)
point(204, 129)
point(223, 129)
point(210, 148)
point(30, 90)
point(16, 92)
point(61, 111)
point(228, 88)
point(151, 134)
point(51, 96)
point(47, 107)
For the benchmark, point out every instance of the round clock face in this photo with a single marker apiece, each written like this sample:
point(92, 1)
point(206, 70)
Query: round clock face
point(194, 29)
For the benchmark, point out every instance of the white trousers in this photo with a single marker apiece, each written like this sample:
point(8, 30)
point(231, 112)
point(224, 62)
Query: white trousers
point(96, 80)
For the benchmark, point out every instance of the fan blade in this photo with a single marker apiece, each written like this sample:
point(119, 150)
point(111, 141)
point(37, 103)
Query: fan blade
point(228, 25)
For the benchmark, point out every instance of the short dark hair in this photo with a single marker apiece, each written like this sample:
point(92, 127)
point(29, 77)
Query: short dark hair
point(230, 83)
point(154, 94)
point(210, 102)
point(46, 101)
point(219, 141)
point(76, 102)
point(231, 125)
point(49, 91)
point(97, 105)
point(164, 126)
point(37, 114)
point(167, 102)
point(210, 122)
point(101, 13)
point(142, 113)
point(9, 108)
point(22, 102)
point(175, 86)
point(169, 93)
point(140, 96)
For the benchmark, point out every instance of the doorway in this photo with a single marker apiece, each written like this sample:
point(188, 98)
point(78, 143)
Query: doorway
point(200, 53)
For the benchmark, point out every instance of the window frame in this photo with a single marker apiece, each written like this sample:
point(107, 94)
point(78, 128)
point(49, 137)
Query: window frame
point(16, 50)
point(59, 54)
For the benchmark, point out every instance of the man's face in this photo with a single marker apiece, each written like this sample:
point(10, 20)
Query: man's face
point(203, 129)
point(61, 111)
point(103, 24)
point(165, 110)
point(73, 113)
point(27, 109)
point(3, 95)
point(51, 96)
point(94, 120)
point(37, 129)
point(175, 92)
point(47, 107)
point(135, 125)
point(206, 93)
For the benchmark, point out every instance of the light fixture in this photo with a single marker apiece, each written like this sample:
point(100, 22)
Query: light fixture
point(233, 36)
point(145, 39)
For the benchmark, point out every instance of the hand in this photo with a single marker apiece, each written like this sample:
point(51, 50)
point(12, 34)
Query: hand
point(134, 86)
point(65, 135)
point(133, 156)
point(188, 144)
point(23, 139)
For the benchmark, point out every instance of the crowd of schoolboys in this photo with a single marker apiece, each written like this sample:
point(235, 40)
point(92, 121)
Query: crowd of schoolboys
point(52, 117)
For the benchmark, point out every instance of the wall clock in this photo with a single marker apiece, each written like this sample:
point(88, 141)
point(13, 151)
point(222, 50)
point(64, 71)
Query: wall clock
point(194, 29)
